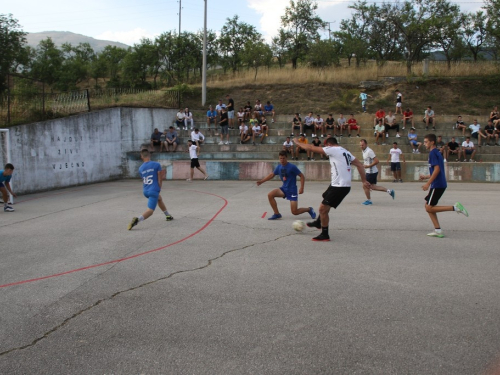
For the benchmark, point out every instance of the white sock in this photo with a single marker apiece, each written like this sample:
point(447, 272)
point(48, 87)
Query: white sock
point(166, 213)
point(141, 218)
point(438, 230)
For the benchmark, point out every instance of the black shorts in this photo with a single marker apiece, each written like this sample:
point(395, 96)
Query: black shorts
point(309, 126)
point(156, 143)
point(434, 195)
point(395, 166)
point(195, 163)
point(372, 178)
point(334, 195)
point(474, 135)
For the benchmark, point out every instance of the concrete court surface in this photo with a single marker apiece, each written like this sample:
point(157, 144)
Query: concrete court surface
point(221, 290)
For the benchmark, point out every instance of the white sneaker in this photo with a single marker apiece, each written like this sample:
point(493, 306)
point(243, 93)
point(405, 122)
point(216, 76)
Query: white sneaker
point(445, 160)
point(189, 180)
point(221, 143)
point(226, 143)
point(398, 136)
point(7, 208)
point(272, 121)
point(459, 209)
point(435, 234)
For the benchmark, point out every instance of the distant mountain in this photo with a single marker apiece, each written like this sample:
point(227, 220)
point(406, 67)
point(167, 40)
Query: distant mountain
point(61, 37)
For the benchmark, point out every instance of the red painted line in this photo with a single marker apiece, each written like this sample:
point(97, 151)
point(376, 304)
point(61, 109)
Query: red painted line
point(263, 216)
point(127, 258)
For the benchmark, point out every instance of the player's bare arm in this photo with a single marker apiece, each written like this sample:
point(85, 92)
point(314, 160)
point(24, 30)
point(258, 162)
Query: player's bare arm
point(302, 183)
point(269, 177)
point(375, 162)
point(7, 186)
point(434, 175)
point(361, 169)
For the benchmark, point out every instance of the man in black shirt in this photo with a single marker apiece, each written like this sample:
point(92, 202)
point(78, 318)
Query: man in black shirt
point(230, 111)
point(489, 130)
point(453, 149)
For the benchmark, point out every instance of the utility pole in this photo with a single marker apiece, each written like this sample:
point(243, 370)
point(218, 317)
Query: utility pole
point(204, 69)
point(180, 10)
point(329, 29)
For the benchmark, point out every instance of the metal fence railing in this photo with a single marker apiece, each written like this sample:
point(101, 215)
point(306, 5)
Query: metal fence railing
point(21, 108)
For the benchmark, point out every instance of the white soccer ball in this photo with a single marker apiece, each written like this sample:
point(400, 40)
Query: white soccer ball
point(298, 225)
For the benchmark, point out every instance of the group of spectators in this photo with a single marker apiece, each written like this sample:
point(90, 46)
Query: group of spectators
point(319, 127)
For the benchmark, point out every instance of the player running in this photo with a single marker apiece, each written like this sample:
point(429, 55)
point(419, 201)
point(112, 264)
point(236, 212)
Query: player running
point(340, 161)
point(152, 177)
point(5, 189)
point(437, 183)
point(288, 173)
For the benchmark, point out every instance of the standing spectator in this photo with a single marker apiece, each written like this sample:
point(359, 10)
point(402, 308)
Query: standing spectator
point(248, 111)
point(380, 114)
point(309, 123)
point(429, 118)
point(475, 132)
point(399, 102)
point(364, 98)
point(330, 123)
point(441, 147)
point(380, 132)
point(269, 110)
point(353, 125)
point(211, 118)
point(241, 116)
point(460, 125)
point(370, 162)
point(219, 107)
point(394, 155)
point(317, 143)
point(408, 118)
point(188, 119)
point(390, 123)
point(489, 131)
point(224, 127)
point(412, 138)
point(468, 149)
point(319, 126)
point(170, 140)
point(452, 149)
point(197, 137)
point(194, 152)
point(244, 133)
point(288, 146)
point(152, 177)
point(437, 184)
point(179, 119)
point(341, 124)
point(296, 124)
point(288, 175)
point(301, 150)
point(5, 189)
point(156, 139)
point(230, 111)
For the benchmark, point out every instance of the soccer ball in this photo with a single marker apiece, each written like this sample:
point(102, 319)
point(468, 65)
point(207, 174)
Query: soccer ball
point(298, 225)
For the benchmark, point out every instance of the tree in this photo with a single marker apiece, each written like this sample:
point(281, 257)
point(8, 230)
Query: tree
point(256, 55)
point(12, 47)
point(137, 63)
point(492, 8)
point(301, 26)
point(280, 46)
point(324, 53)
point(474, 32)
point(112, 57)
point(48, 62)
point(445, 29)
point(234, 36)
point(352, 39)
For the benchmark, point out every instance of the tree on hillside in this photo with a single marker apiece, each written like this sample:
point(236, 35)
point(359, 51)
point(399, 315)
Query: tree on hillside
point(137, 63)
point(474, 32)
point(112, 57)
point(280, 47)
point(352, 38)
point(256, 55)
point(12, 47)
point(446, 35)
point(492, 8)
point(301, 24)
point(76, 65)
point(324, 53)
point(234, 36)
point(47, 63)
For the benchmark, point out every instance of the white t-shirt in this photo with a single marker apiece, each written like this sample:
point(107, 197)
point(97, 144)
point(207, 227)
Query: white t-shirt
point(197, 137)
point(395, 152)
point(467, 144)
point(180, 115)
point(368, 157)
point(390, 119)
point(318, 121)
point(192, 152)
point(256, 129)
point(288, 144)
point(241, 114)
point(219, 107)
point(243, 129)
point(340, 161)
point(341, 121)
point(474, 128)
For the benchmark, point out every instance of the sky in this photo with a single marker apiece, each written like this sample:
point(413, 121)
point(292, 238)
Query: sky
point(128, 21)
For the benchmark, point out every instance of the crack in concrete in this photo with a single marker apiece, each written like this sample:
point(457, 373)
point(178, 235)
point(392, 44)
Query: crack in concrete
point(97, 303)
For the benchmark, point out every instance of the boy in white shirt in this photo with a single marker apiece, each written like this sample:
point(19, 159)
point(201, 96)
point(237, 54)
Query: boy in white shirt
point(244, 136)
point(468, 149)
point(194, 152)
point(197, 137)
point(288, 146)
point(394, 154)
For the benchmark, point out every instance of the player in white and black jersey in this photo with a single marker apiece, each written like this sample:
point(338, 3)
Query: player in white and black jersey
point(370, 162)
point(340, 161)
point(194, 152)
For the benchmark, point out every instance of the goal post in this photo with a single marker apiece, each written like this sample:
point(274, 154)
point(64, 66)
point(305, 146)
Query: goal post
point(5, 156)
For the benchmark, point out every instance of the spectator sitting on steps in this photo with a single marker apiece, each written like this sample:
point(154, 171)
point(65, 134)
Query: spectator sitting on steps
point(412, 138)
point(156, 139)
point(468, 149)
point(429, 118)
point(197, 137)
point(390, 123)
point(460, 125)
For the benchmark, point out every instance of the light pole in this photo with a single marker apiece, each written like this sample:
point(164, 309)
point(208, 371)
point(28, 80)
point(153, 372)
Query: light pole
point(204, 68)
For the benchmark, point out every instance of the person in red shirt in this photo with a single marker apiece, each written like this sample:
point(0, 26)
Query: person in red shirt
point(380, 114)
point(408, 118)
point(353, 125)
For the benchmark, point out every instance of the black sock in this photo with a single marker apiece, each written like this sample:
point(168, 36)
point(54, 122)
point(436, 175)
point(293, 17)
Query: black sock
point(324, 231)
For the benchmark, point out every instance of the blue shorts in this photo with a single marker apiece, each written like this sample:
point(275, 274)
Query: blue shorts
point(152, 199)
point(2, 185)
point(290, 195)
point(230, 114)
point(414, 143)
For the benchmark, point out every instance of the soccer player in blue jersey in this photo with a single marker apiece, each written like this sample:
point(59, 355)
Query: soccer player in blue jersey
point(437, 183)
point(152, 177)
point(288, 174)
point(5, 189)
